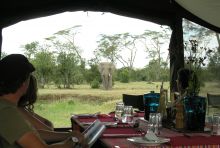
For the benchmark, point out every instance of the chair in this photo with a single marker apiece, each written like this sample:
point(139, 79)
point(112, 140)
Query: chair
point(63, 129)
point(134, 100)
point(213, 101)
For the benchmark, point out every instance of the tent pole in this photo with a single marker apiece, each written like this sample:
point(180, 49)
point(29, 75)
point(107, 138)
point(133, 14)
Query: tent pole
point(0, 43)
point(176, 51)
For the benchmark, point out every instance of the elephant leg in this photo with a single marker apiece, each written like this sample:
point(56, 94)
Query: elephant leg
point(104, 82)
point(110, 81)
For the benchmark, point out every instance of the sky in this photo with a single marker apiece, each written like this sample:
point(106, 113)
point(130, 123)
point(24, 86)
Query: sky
point(93, 24)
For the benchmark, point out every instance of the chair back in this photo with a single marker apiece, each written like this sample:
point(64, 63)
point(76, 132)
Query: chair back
point(134, 100)
point(213, 101)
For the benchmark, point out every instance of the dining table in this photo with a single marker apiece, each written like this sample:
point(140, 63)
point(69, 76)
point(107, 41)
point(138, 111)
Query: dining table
point(117, 134)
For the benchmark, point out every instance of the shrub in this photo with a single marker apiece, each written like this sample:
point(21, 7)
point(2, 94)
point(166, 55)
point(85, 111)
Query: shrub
point(124, 76)
point(95, 84)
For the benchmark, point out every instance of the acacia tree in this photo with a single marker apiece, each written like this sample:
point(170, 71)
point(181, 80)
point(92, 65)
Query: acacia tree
point(108, 47)
point(66, 68)
point(44, 63)
point(70, 64)
point(114, 47)
point(153, 42)
point(68, 36)
point(30, 49)
point(42, 59)
point(128, 44)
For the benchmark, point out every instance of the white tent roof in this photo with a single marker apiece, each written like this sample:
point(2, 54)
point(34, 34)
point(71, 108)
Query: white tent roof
point(207, 10)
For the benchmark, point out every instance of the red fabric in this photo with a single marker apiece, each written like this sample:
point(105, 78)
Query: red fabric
point(116, 136)
point(139, 114)
point(189, 139)
point(112, 114)
point(121, 132)
point(101, 117)
point(194, 140)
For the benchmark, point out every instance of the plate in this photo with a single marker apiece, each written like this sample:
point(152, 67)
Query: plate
point(145, 142)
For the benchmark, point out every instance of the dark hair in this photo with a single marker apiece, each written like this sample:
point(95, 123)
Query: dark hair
point(184, 75)
point(15, 70)
point(12, 87)
point(28, 100)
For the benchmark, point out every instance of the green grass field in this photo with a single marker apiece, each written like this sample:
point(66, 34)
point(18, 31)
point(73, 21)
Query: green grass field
point(58, 105)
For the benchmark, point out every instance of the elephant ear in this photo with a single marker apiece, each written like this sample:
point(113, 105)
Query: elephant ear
point(112, 67)
point(100, 67)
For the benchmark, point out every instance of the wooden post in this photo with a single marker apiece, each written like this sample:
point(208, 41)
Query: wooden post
point(176, 51)
point(0, 43)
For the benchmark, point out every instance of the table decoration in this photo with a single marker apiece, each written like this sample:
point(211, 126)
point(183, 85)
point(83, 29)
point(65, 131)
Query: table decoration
point(195, 105)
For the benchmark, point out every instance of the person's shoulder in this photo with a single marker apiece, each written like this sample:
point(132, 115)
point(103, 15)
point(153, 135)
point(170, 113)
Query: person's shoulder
point(5, 104)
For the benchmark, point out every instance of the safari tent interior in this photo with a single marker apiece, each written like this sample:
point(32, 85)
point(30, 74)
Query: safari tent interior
point(163, 12)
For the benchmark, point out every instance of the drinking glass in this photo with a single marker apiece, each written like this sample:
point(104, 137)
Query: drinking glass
point(150, 124)
point(216, 124)
point(119, 108)
point(127, 116)
point(154, 123)
point(208, 123)
point(159, 122)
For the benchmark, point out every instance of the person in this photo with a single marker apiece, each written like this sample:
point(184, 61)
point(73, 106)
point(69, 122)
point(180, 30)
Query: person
point(42, 125)
point(26, 106)
point(15, 131)
point(184, 75)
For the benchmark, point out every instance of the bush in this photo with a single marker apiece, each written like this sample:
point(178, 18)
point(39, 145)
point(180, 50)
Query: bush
point(95, 84)
point(124, 76)
point(71, 102)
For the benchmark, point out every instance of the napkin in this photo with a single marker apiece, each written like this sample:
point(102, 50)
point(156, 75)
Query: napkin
point(151, 137)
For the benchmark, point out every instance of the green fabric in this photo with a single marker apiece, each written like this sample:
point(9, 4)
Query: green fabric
point(12, 125)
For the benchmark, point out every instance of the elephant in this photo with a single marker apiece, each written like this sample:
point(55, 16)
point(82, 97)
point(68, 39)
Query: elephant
point(106, 70)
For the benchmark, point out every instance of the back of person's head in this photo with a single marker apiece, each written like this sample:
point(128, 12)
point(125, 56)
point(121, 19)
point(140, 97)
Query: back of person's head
point(184, 75)
point(28, 100)
point(15, 69)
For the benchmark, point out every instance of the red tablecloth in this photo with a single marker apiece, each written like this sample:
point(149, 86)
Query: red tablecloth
point(121, 132)
point(101, 117)
point(116, 136)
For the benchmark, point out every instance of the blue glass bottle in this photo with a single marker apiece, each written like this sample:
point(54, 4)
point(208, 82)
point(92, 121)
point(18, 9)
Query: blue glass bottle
point(195, 110)
point(151, 103)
